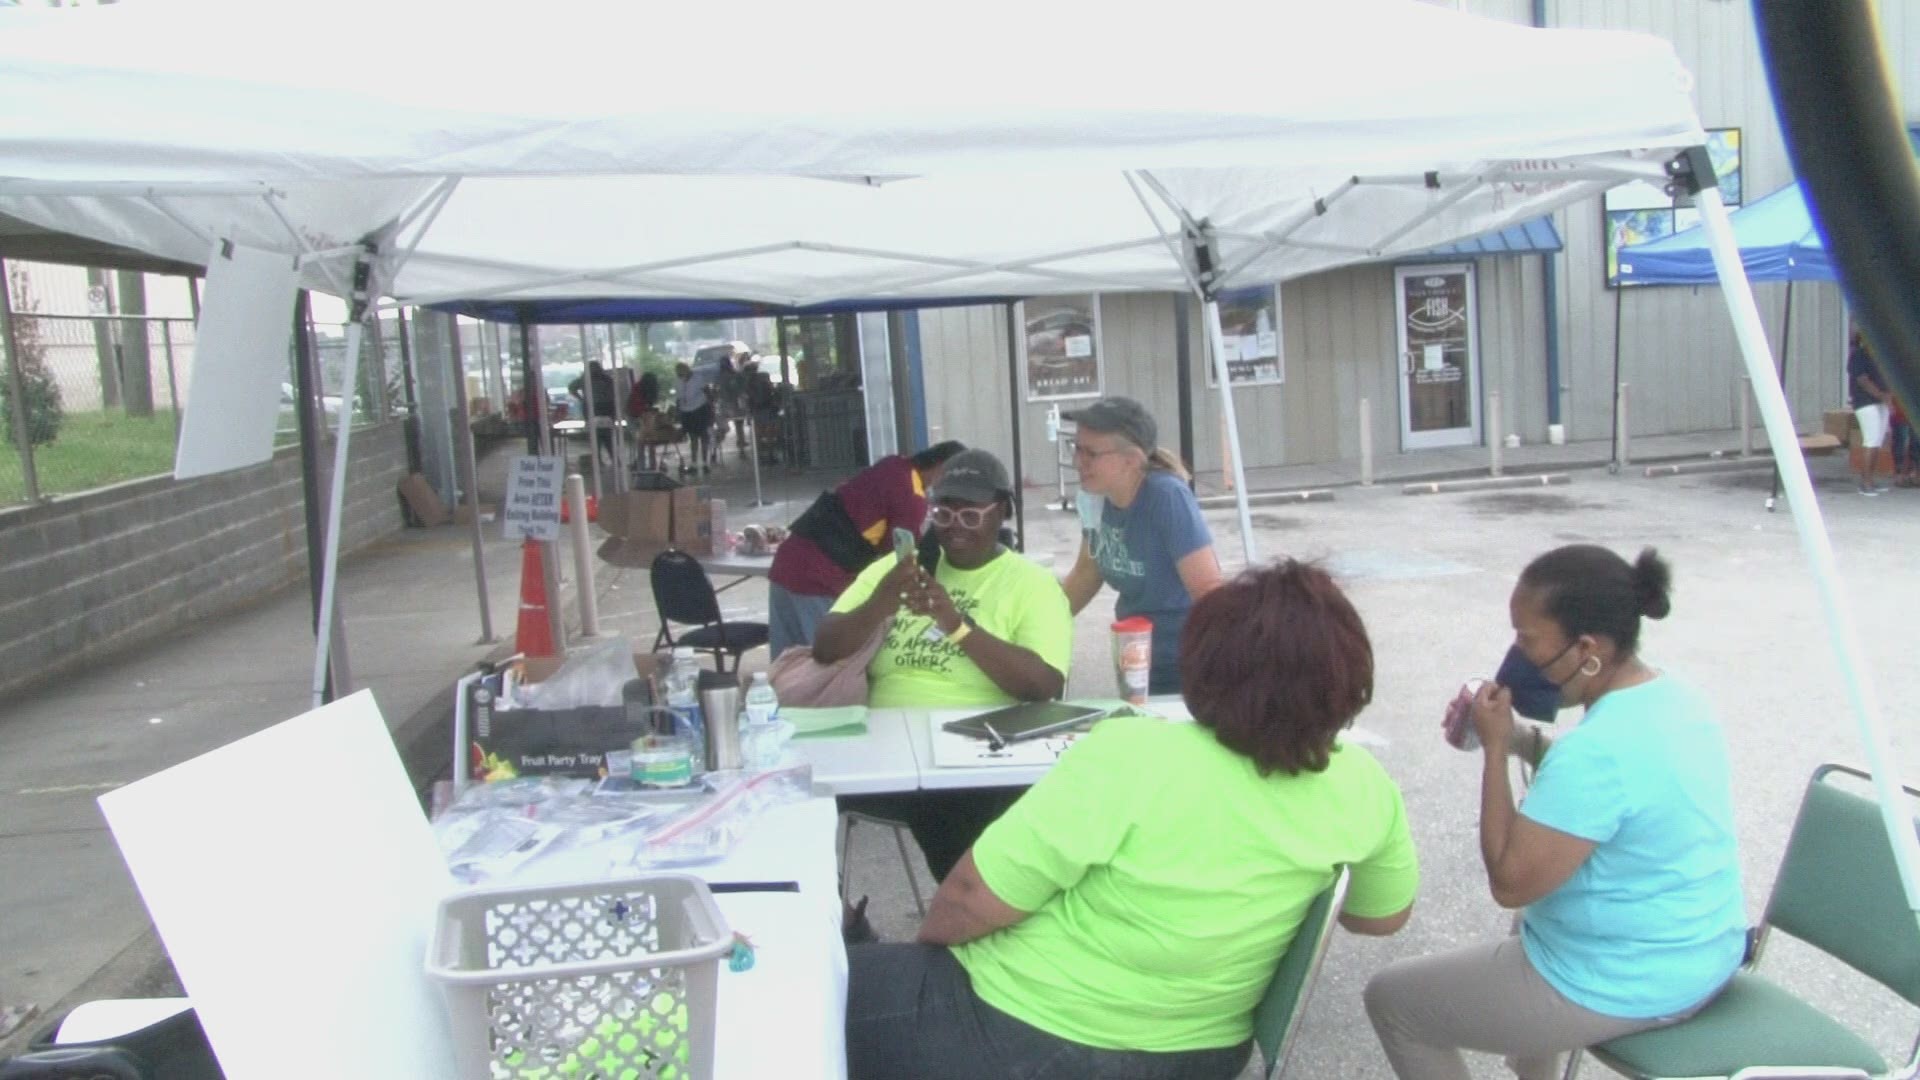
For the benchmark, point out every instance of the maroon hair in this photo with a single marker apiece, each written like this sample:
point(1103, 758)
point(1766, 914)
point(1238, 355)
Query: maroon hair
point(1276, 662)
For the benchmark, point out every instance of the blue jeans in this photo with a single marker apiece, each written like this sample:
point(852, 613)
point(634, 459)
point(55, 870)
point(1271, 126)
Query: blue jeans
point(912, 1013)
point(792, 618)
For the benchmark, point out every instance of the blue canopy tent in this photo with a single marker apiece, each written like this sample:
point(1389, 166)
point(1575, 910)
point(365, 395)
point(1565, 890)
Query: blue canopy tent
point(1778, 242)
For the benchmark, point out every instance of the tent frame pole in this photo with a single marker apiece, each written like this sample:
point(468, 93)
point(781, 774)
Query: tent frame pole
point(1818, 546)
point(1786, 344)
point(337, 482)
point(1013, 411)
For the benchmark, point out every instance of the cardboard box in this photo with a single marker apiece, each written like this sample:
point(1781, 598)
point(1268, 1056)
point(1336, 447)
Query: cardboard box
point(643, 516)
point(696, 527)
point(424, 504)
point(1842, 425)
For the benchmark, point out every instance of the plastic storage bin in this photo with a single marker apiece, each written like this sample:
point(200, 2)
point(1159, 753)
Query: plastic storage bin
point(615, 979)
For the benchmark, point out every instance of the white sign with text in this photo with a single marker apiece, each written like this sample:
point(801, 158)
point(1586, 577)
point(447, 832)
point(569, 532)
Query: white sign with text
point(533, 498)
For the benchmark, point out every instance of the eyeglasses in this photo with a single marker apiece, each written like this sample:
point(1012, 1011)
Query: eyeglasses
point(969, 517)
point(1082, 450)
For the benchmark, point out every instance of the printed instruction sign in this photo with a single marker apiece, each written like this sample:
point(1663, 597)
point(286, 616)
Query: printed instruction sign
point(533, 498)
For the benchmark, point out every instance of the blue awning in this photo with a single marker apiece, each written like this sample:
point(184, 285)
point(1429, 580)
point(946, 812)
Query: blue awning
point(1536, 237)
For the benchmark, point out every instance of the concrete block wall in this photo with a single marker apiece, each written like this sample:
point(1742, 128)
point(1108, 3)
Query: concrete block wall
point(86, 576)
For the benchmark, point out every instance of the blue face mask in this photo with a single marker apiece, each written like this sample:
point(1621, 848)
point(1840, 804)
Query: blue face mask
point(1535, 696)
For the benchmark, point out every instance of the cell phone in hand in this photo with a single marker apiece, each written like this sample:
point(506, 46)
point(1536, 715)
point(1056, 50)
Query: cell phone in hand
point(903, 544)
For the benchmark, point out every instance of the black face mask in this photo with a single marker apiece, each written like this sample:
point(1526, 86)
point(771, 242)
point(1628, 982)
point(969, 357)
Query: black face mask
point(1535, 696)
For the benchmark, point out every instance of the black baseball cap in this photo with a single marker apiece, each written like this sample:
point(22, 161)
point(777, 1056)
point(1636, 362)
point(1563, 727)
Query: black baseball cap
point(973, 476)
point(1120, 416)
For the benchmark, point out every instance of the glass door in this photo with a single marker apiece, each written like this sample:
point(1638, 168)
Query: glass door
point(1439, 356)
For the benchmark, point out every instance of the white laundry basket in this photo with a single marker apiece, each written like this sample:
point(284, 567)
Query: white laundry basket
point(610, 979)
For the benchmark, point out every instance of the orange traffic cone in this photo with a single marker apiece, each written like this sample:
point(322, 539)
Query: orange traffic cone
point(534, 636)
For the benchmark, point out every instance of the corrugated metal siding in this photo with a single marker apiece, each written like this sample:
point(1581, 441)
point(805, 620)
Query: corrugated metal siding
point(1677, 346)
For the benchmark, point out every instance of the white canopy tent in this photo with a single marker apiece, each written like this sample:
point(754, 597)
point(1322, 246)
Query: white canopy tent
point(598, 149)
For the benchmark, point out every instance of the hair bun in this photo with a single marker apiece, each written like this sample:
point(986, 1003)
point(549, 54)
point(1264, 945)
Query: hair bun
point(1653, 582)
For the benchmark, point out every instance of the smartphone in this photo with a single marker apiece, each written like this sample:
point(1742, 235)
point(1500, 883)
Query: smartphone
point(904, 544)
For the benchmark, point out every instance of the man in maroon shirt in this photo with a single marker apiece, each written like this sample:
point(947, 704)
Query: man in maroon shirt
point(843, 531)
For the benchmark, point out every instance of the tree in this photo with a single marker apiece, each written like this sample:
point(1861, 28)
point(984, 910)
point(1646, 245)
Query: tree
point(41, 394)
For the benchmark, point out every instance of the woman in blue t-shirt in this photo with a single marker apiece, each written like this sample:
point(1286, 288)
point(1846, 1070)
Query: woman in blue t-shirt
point(1621, 855)
point(1141, 529)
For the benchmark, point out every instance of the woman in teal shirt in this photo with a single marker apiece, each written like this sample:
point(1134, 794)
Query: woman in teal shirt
point(1622, 854)
point(1124, 917)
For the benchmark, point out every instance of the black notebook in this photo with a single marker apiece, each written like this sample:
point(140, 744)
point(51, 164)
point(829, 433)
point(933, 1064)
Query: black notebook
point(1027, 720)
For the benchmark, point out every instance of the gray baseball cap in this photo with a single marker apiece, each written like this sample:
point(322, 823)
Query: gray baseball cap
point(1120, 416)
point(973, 476)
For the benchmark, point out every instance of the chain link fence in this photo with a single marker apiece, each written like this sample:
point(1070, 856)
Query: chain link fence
point(103, 397)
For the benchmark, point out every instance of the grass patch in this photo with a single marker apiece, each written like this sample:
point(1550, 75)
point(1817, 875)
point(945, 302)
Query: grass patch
point(94, 449)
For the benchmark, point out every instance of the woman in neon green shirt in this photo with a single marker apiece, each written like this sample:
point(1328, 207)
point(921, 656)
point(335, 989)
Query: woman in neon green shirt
point(1124, 917)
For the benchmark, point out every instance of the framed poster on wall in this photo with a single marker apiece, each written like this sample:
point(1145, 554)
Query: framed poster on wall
point(1060, 353)
point(1641, 211)
point(1250, 327)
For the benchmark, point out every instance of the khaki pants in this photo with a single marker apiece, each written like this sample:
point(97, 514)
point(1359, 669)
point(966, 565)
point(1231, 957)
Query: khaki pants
point(1487, 998)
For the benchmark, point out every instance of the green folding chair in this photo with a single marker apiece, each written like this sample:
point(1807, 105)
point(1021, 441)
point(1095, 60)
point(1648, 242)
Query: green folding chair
point(1277, 1016)
point(1839, 891)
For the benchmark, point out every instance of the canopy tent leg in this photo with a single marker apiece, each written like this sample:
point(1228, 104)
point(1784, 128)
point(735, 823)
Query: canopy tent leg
point(1786, 340)
point(1013, 411)
point(1216, 343)
point(336, 495)
point(470, 462)
point(1785, 443)
point(306, 377)
point(1202, 276)
point(592, 419)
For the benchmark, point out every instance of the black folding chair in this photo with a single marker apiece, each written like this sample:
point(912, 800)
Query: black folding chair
point(683, 594)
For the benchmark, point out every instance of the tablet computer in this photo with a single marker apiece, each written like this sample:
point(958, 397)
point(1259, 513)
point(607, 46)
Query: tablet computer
point(1027, 720)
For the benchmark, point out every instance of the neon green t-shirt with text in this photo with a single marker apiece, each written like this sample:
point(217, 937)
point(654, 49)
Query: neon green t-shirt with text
point(1012, 597)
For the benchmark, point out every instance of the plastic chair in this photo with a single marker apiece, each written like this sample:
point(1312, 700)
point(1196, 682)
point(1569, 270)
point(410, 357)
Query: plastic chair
point(1277, 1017)
point(847, 820)
point(683, 594)
point(1838, 890)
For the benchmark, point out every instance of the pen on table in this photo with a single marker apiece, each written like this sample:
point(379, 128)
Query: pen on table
point(753, 886)
point(994, 741)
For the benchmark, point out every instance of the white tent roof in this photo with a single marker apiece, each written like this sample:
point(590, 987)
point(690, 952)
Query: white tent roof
point(591, 149)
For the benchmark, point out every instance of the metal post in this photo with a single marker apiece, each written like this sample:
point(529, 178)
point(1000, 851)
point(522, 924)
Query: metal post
point(173, 381)
point(1619, 290)
point(1493, 431)
point(622, 423)
point(582, 544)
point(306, 379)
point(790, 451)
point(1366, 443)
point(1216, 340)
point(1622, 430)
point(753, 449)
point(1013, 411)
point(409, 387)
point(539, 439)
point(592, 427)
point(470, 463)
point(17, 387)
point(1183, 376)
point(1746, 416)
point(1786, 332)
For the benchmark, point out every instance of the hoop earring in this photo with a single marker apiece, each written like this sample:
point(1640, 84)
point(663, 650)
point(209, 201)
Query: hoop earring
point(1595, 661)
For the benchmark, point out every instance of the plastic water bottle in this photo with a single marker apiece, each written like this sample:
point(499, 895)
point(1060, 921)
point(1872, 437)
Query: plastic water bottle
point(683, 700)
point(761, 719)
point(761, 702)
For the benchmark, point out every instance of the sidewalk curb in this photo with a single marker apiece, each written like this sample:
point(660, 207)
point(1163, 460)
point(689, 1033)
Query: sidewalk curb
point(1486, 483)
point(1713, 465)
point(1268, 498)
